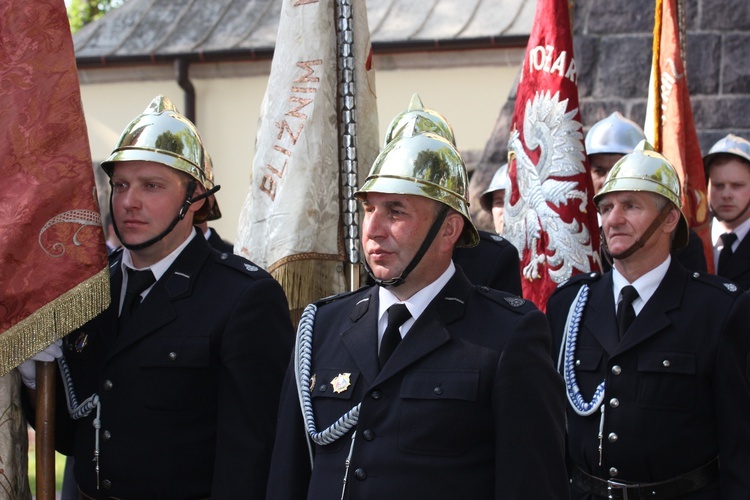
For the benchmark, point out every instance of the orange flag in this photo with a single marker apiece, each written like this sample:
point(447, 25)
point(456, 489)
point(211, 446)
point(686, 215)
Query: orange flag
point(53, 260)
point(550, 216)
point(669, 119)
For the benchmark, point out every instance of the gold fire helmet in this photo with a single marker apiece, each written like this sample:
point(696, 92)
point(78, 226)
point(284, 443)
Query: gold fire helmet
point(427, 165)
point(418, 119)
point(646, 170)
point(614, 134)
point(162, 135)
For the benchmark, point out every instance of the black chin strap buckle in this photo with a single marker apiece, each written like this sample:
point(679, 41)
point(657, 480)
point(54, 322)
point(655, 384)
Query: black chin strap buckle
point(189, 201)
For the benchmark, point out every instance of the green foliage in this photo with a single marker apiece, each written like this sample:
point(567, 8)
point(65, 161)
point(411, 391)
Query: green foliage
point(82, 12)
point(59, 465)
point(59, 472)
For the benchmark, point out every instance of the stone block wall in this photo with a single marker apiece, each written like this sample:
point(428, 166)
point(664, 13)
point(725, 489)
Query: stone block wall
point(612, 44)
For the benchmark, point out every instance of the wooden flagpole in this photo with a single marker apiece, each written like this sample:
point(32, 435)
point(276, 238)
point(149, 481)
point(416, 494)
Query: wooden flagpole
point(45, 430)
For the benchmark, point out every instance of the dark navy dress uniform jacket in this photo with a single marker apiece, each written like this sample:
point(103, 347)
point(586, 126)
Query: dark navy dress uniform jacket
point(189, 389)
point(676, 391)
point(468, 406)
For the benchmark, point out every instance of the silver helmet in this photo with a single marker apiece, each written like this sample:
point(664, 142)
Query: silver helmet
point(499, 182)
point(614, 134)
point(731, 144)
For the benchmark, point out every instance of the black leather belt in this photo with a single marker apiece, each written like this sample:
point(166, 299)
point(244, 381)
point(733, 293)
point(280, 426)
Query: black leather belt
point(662, 490)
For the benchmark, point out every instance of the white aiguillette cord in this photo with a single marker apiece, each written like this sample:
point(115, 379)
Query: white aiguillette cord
point(567, 354)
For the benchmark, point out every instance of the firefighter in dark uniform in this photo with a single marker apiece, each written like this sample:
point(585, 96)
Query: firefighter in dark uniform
point(422, 386)
point(654, 357)
point(211, 234)
point(175, 387)
point(607, 141)
point(727, 167)
point(494, 262)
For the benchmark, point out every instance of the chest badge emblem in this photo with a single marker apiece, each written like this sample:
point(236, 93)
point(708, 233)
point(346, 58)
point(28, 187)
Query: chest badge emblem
point(341, 382)
point(82, 341)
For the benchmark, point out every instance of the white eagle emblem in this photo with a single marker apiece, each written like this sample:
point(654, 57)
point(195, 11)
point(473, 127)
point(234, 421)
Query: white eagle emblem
point(544, 192)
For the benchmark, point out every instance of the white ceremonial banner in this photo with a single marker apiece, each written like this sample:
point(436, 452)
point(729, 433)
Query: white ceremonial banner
point(293, 207)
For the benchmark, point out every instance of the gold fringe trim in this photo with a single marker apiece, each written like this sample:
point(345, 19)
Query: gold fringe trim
point(54, 320)
point(306, 280)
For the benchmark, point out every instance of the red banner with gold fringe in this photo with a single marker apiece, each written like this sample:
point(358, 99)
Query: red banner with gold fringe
point(53, 260)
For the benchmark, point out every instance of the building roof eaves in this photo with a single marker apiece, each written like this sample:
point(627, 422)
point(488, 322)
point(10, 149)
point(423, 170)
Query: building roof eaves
point(266, 53)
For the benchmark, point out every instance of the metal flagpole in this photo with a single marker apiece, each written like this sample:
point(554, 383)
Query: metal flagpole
point(347, 112)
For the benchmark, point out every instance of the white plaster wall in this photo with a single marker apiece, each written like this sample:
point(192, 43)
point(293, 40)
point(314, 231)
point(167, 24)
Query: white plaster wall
point(228, 106)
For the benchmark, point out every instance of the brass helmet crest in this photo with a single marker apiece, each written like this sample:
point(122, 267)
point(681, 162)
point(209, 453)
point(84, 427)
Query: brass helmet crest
point(418, 160)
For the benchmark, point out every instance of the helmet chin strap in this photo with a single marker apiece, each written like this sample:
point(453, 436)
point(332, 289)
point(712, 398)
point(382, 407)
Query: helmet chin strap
point(640, 241)
point(399, 280)
point(189, 200)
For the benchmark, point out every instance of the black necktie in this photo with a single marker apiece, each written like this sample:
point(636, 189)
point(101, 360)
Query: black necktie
point(625, 311)
point(726, 252)
point(397, 315)
point(138, 282)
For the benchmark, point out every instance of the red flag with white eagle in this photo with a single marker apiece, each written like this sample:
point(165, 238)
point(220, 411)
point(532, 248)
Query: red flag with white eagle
point(550, 217)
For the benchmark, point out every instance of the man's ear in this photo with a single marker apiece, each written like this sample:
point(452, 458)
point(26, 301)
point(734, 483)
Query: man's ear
point(672, 219)
point(195, 206)
point(453, 226)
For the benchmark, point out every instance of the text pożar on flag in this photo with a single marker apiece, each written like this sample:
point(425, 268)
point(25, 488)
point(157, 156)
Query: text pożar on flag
point(53, 260)
point(291, 222)
point(549, 216)
point(669, 119)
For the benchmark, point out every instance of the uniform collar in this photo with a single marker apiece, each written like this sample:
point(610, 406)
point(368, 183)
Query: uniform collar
point(646, 285)
point(416, 304)
point(717, 229)
point(158, 268)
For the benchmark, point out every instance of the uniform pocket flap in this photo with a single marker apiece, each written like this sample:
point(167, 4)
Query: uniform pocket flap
point(666, 362)
point(183, 352)
point(588, 359)
point(441, 384)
